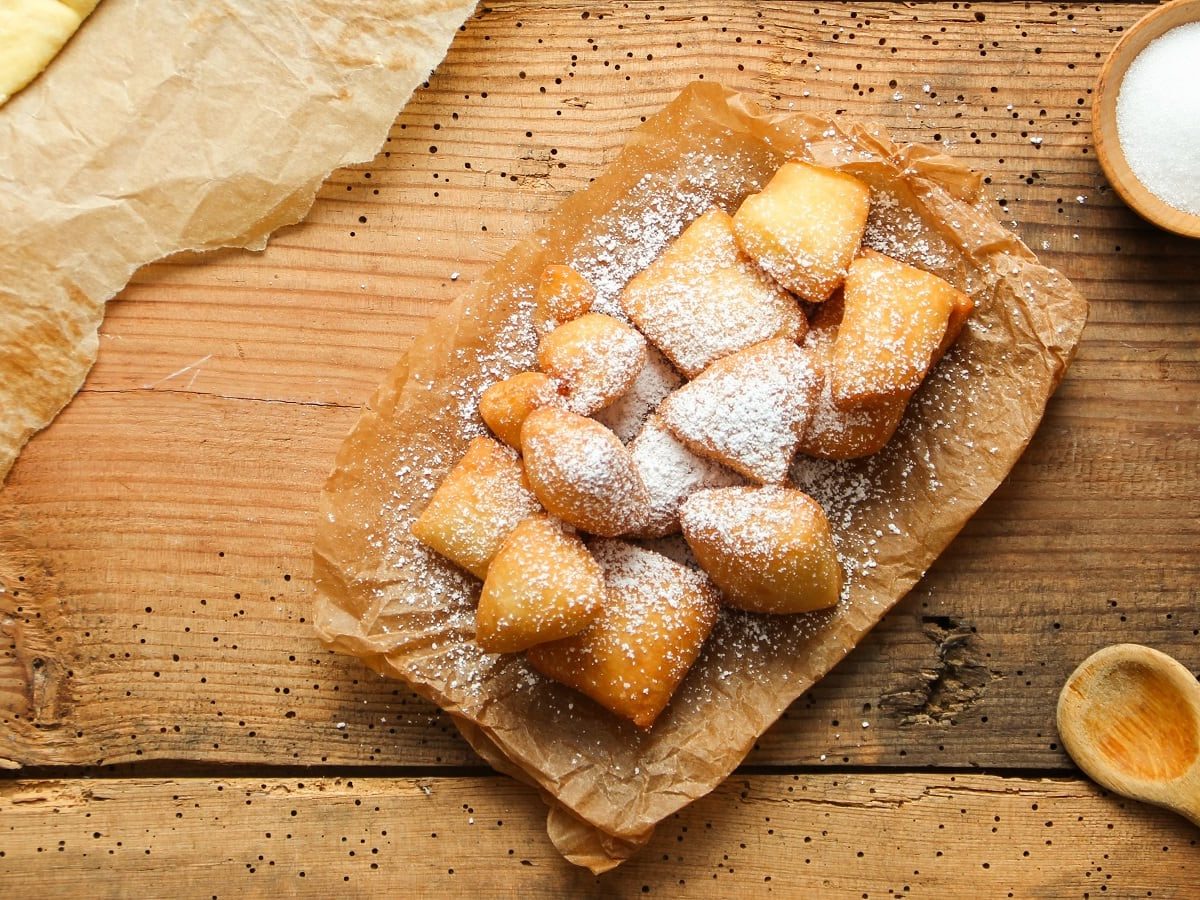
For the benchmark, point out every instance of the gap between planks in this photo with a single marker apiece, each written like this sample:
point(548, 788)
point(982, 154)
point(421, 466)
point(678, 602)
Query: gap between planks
point(841, 835)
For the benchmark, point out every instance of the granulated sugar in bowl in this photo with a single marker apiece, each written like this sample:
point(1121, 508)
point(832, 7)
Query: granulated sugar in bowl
point(1146, 117)
point(1158, 117)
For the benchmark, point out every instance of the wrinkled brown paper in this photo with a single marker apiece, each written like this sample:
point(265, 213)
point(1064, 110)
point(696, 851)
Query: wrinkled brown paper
point(175, 126)
point(386, 601)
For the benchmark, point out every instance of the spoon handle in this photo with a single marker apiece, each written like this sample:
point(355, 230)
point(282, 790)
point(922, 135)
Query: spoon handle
point(1188, 804)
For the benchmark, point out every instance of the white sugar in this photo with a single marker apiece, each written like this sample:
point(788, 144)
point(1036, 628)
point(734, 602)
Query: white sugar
point(671, 473)
point(1158, 117)
point(629, 413)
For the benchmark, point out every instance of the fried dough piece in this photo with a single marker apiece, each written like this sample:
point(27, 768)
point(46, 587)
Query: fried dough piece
point(896, 320)
point(562, 295)
point(476, 506)
point(671, 472)
point(505, 404)
point(704, 299)
point(596, 358)
point(964, 305)
point(747, 411)
point(655, 619)
point(768, 549)
point(582, 473)
point(805, 227)
point(836, 433)
point(543, 585)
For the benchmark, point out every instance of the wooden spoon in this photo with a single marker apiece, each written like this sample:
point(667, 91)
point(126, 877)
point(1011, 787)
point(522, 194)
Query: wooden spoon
point(1130, 718)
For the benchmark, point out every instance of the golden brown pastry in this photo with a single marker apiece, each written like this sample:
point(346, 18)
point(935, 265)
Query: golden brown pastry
point(505, 404)
point(704, 299)
point(476, 506)
point(562, 295)
point(804, 227)
point(582, 473)
point(542, 585)
point(596, 359)
point(655, 619)
point(895, 320)
point(768, 549)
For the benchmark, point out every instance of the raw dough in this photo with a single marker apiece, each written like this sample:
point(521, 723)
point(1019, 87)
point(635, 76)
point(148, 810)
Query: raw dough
point(31, 34)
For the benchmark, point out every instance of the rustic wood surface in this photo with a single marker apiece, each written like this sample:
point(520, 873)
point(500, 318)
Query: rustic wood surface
point(813, 835)
point(155, 541)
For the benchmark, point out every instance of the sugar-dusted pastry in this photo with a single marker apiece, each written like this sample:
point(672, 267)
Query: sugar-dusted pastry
point(671, 472)
point(837, 433)
point(768, 549)
point(542, 585)
point(562, 295)
point(582, 473)
point(656, 617)
point(895, 320)
point(747, 411)
point(476, 506)
point(629, 413)
point(505, 404)
point(805, 227)
point(596, 358)
point(964, 305)
point(703, 298)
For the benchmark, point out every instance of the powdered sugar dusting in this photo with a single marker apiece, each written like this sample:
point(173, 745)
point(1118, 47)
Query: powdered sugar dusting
point(899, 231)
point(513, 349)
point(634, 232)
point(704, 299)
point(749, 520)
point(747, 410)
point(671, 473)
point(596, 357)
point(629, 413)
point(582, 473)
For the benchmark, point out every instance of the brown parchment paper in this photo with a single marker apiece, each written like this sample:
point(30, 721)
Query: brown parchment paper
point(173, 126)
point(407, 614)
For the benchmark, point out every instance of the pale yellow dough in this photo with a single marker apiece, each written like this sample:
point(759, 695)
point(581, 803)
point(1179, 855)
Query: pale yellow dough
point(31, 34)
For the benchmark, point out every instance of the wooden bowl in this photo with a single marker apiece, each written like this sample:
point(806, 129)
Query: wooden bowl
point(1104, 118)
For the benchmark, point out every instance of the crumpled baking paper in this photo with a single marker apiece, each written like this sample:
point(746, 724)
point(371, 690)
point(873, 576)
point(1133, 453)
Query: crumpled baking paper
point(174, 126)
point(410, 615)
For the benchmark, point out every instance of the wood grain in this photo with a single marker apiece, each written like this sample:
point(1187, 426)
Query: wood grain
point(154, 543)
point(818, 835)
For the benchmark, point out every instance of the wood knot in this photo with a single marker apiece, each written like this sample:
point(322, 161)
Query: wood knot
point(955, 680)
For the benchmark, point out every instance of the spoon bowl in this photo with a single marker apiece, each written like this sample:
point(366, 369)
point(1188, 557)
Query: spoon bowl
point(1130, 718)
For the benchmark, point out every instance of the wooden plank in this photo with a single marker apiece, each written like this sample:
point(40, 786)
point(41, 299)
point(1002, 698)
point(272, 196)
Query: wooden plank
point(826, 835)
point(146, 536)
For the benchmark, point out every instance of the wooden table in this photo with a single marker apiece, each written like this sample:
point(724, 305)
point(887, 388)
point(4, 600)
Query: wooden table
point(172, 726)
